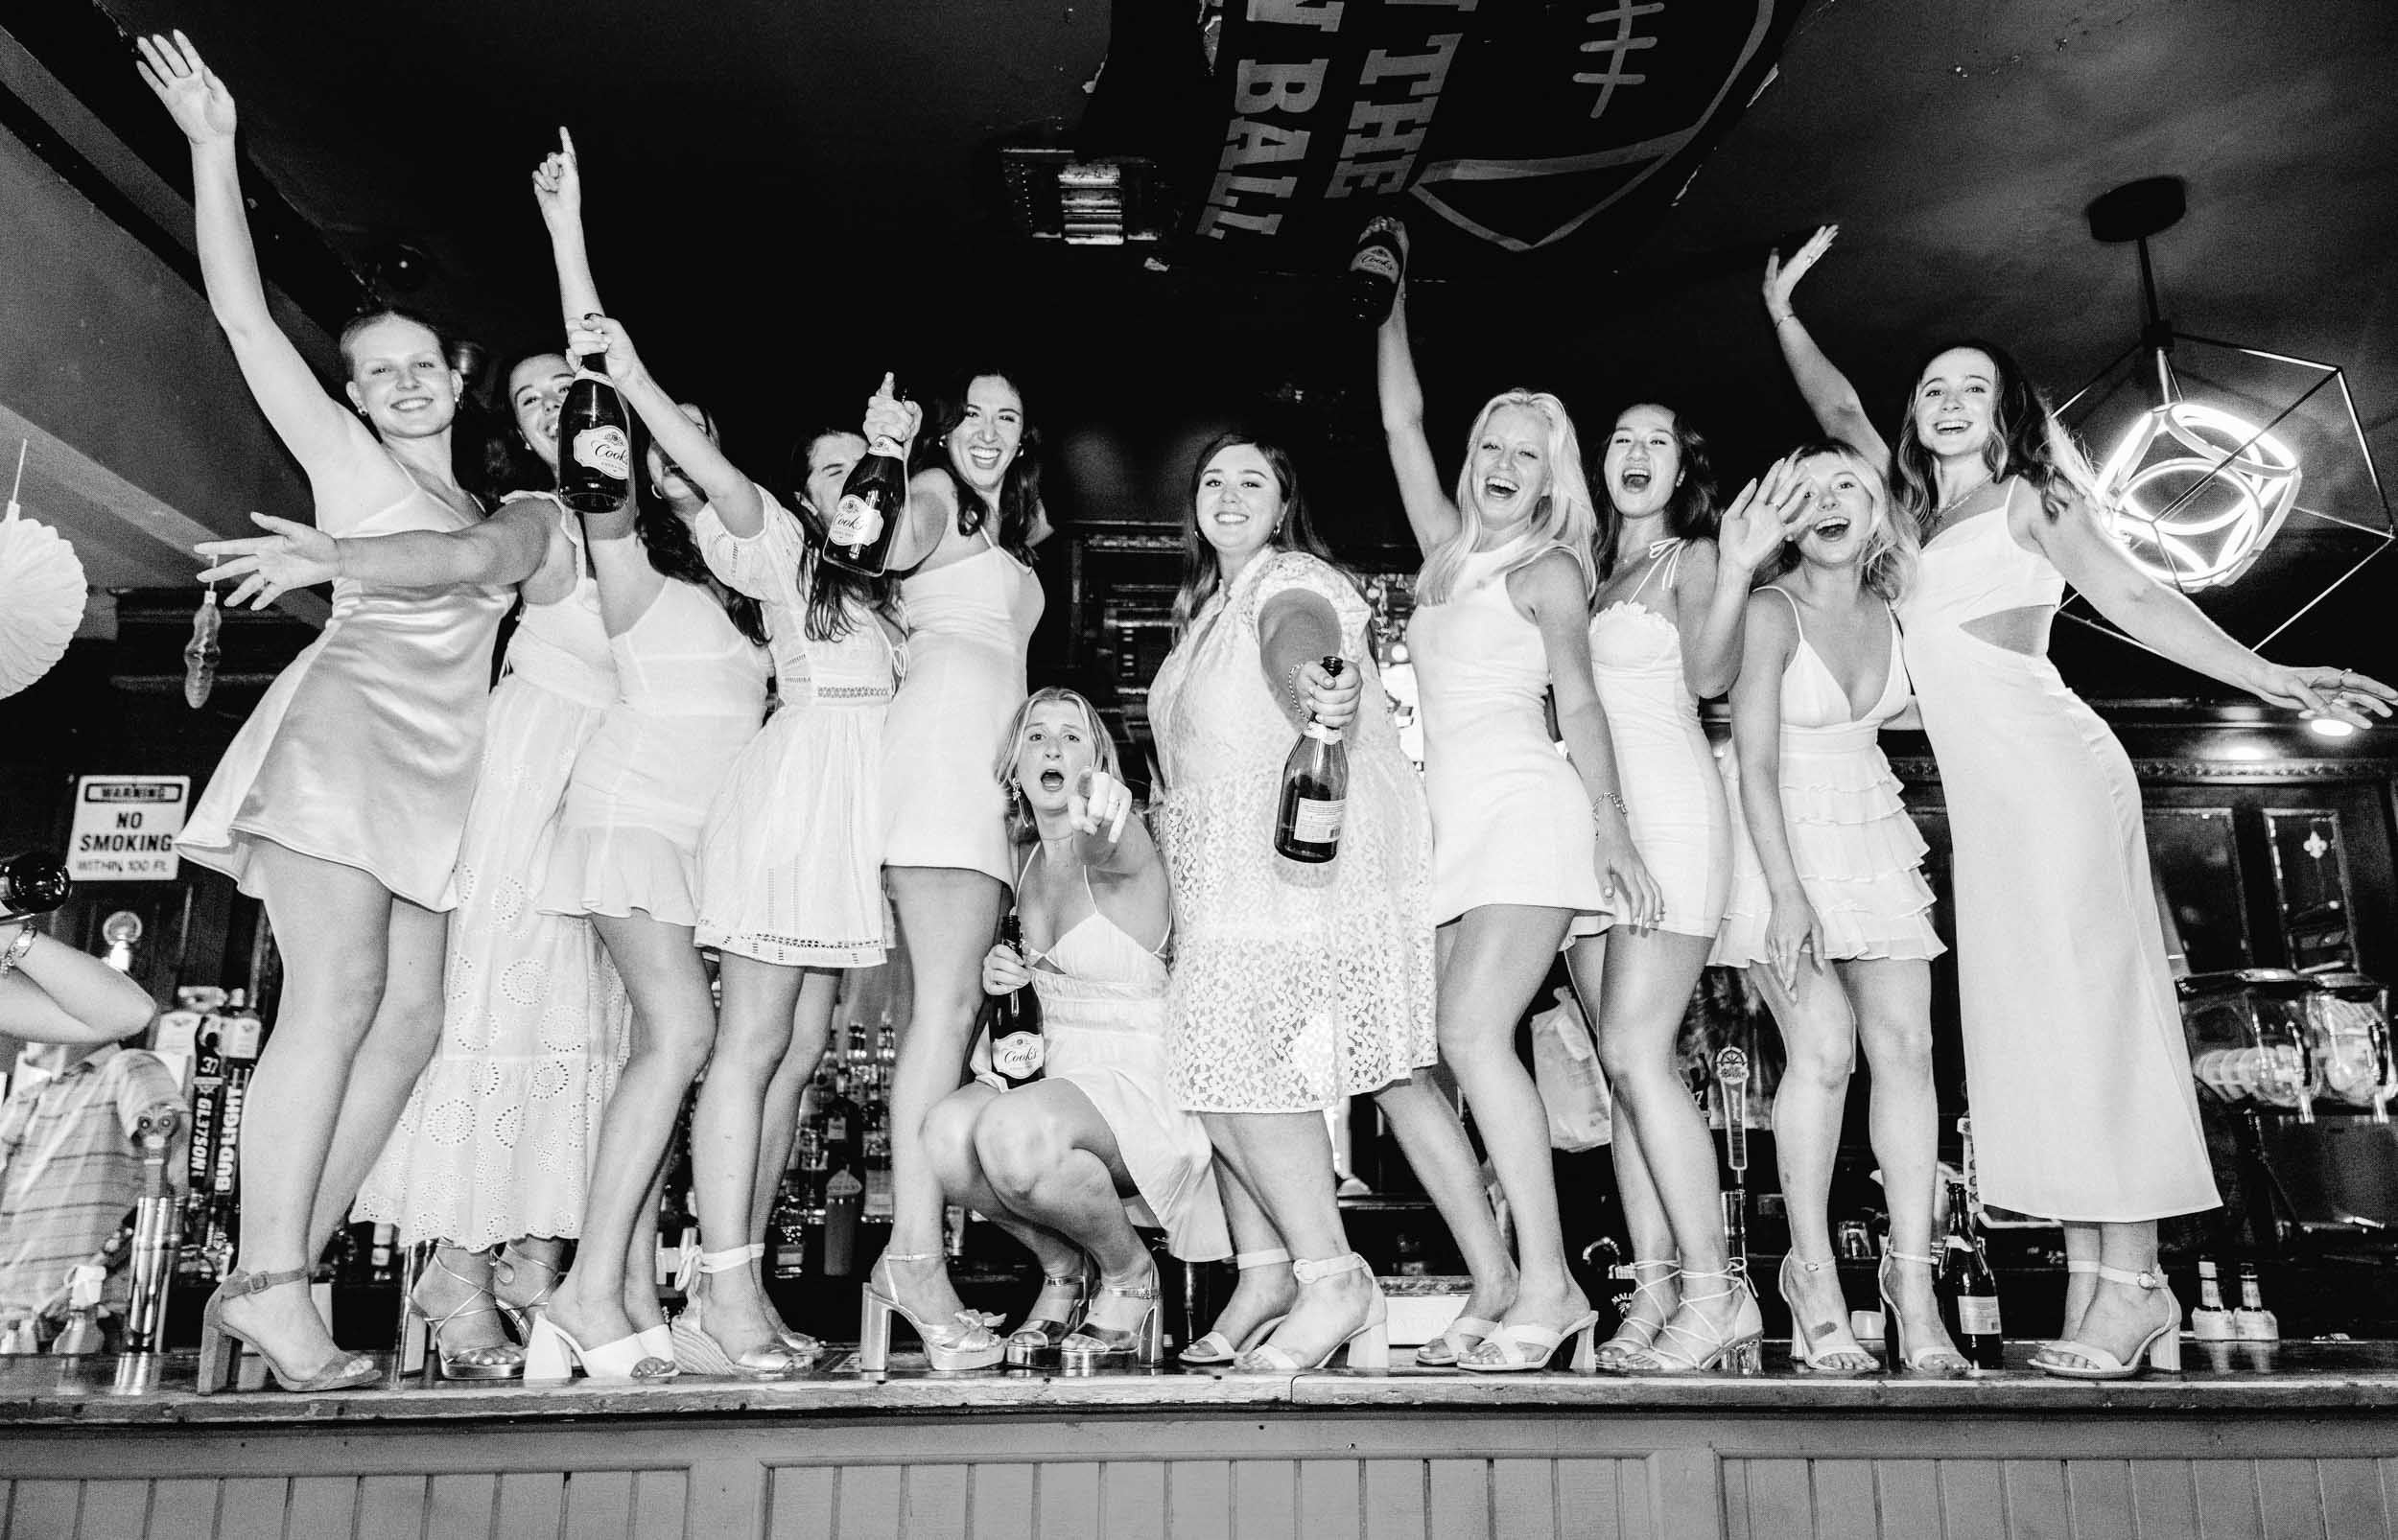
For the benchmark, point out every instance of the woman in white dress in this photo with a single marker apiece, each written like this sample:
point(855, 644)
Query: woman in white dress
point(1523, 841)
point(1068, 1163)
point(2075, 1059)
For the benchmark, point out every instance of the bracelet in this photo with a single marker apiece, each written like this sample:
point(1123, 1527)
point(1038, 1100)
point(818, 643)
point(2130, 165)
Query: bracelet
point(17, 948)
point(1291, 682)
point(1786, 315)
point(1613, 798)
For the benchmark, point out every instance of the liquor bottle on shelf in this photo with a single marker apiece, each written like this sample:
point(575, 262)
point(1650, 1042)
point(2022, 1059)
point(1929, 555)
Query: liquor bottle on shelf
point(380, 1253)
point(866, 516)
point(2209, 1320)
point(876, 1146)
point(844, 1123)
point(1315, 790)
point(594, 441)
point(788, 1228)
point(844, 1205)
point(1967, 1287)
point(1375, 267)
point(1013, 1020)
point(2252, 1323)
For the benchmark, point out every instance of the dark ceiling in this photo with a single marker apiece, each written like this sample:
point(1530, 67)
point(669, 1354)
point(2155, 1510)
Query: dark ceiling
point(789, 196)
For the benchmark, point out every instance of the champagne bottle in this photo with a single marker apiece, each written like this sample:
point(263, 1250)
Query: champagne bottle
point(1315, 790)
point(866, 517)
point(1017, 1048)
point(2210, 1321)
point(31, 884)
point(2252, 1323)
point(594, 441)
point(1375, 268)
point(1967, 1287)
point(845, 1127)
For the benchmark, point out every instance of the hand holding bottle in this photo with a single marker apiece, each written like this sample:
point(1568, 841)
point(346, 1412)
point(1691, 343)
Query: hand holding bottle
point(292, 555)
point(1098, 798)
point(559, 184)
point(599, 335)
point(889, 416)
point(196, 100)
point(1330, 698)
point(1004, 971)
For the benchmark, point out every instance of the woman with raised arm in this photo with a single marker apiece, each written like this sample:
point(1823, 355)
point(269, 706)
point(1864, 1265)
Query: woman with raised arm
point(1071, 1163)
point(1523, 841)
point(2082, 1104)
point(1666, 634)
point(1295, 986)
point(383, 712)
point(1830, 912)
point(971, 601)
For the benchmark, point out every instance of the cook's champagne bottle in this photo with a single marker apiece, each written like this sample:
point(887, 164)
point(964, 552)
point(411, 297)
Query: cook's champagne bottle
point(31, 884)
point(594, 441)
point(1017, 1048)
point(1375, 268)
point(1967, 1287)
point(1315, 790)
point(867, 518)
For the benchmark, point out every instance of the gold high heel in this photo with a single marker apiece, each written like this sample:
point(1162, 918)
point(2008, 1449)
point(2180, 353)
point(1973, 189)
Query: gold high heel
point(1923, 1360)
point(221, 1345)
point(1831, 1339)
point(695, 1347)
point(1634, 1335)
point(1214, 1349)
point(442, 1362)
point(1140, 1346)
point(1035, 1343)
point(962, 1343)
point(1737, 1349)
point(2159, 1349)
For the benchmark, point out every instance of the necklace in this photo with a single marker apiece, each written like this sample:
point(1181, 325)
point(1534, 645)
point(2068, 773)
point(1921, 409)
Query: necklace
point(1940, 515)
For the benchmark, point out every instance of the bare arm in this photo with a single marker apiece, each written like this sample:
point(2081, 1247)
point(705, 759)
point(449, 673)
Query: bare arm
point(1757, 743)
point(511, 547)
point(2166, 622)
point(319, 432)
point(1828, 392)
point(1550, 589)
point(932, 513)
point(558, 188)
point(1711, 584)
point(1430, 513)
point(729, 490)
point(59, 995)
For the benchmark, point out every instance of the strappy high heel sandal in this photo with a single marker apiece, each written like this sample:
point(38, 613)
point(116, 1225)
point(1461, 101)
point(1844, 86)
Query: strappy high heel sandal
point(1635, 1334)
point(1928, 1358)
point(1736, 1347)
point(1056, 1311)
point(445, 1362)
point(1215, 1349)
point(221, 1345)
point(1093, 1348)
point(503, 1271)
point(964, 1342)
point(1367, 1347)
point(697, 1351)
point(2159, 1349)
point(1813, 1350)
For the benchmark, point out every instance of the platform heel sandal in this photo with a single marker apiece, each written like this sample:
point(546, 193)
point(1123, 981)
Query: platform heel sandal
point(964, 1342)
point(1926, 1357)
point(553, 1354)
point(1034, 1344)
point(442, 1362)
point(1527, 1348)
point(2159, 1349)
point(1092, 1348)
point(698, 1352)
point(1812, 1349)
point(1367, 1347)
point(1634, 1335)
point(221, 1345)
point(1734, 1348)
point(1214, 1350)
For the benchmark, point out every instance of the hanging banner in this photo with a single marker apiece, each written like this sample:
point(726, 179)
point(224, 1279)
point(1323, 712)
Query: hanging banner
point(125, 827)
point(1515, 123)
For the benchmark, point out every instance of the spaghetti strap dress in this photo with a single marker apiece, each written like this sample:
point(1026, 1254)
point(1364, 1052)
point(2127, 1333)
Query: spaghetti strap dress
point(1860, 858)
point(791, 852)
point(1103, 1013)
point(968, 626)
point(1510, 821)
point(2075, 1061)
point(694, 694)
point(1293, 986)
point(1681, 824)
point(495, 1141)
point(364, 750)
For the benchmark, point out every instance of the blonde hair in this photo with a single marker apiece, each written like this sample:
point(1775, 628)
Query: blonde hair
point(1565, 516)
point(1887, 568)
point(1019, 825)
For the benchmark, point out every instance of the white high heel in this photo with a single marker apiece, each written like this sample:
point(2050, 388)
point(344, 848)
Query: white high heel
point(552, 1353)
point(1368, 1347)
point(1736, 1348)
point(1216, 1349)
point(1634, 1335)
point(2159, 1349)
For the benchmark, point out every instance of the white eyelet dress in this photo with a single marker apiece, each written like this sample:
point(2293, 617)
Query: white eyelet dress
point(790, 859)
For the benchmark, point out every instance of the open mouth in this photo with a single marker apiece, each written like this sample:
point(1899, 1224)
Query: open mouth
point(1053, 780)
point(1831, 528)
point(1636, 480)
point(1498, 488)
point(985, 460)
point(1948, 430)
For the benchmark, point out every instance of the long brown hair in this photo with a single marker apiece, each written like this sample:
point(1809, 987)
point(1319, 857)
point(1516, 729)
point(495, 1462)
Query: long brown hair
point(1202, 574)
point(2025, 440)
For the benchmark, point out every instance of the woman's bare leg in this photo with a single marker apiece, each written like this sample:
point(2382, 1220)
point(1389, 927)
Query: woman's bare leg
point(1820, 1039)
point(1284, 1159)
point(1434, 1141)
point(756, 1029)
point(1893, 1004)
point(398, 1046)
point(778, 1128)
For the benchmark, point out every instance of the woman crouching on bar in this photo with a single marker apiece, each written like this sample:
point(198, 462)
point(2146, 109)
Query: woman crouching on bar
point(1068, 1163)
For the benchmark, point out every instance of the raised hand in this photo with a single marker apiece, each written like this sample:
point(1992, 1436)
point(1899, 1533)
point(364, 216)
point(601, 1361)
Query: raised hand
point(1781, 277)
point(558, 183)
point(1333, 699)
point(198, 102)
point(1099, 798)
point(293, 555)
point(887, 416)
point(1767, 513)
point(1003, 973)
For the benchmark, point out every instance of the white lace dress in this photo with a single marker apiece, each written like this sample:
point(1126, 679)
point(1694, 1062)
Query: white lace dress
point(1293, 984)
